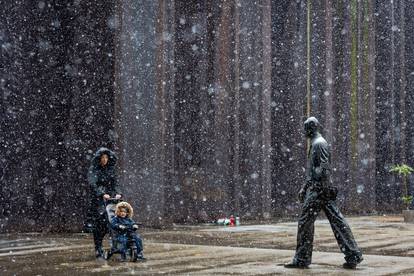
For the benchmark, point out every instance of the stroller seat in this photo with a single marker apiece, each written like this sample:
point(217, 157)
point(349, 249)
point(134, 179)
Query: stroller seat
point(116, 246)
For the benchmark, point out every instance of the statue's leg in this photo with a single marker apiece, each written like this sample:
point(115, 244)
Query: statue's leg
point(343, 233)
point(310, 211)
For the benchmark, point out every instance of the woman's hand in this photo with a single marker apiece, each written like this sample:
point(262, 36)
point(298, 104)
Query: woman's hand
point(118, 196)
point(106, 196)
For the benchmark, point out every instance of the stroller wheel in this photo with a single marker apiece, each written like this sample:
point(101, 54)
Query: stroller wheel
point(108, 255)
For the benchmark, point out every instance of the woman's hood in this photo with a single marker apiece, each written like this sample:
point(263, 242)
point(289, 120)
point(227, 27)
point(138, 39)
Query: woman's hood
point(101, 151)
point(124, 205)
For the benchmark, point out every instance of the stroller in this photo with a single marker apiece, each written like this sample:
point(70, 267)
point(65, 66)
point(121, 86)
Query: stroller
point(115, 246)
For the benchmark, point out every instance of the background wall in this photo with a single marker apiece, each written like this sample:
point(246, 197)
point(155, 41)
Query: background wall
point(204, 103)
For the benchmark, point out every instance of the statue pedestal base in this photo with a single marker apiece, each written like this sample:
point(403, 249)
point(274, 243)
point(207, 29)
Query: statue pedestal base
point(408, 216)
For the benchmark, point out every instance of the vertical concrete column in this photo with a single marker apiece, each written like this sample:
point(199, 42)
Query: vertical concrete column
point(266, 110)
point(144, 105)
point(288, 103)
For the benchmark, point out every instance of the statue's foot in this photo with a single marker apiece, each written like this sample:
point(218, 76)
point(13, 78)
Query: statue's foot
point(296, 265)
point(349, 265)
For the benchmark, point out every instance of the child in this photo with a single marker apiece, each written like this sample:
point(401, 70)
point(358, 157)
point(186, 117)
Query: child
point(124, 229)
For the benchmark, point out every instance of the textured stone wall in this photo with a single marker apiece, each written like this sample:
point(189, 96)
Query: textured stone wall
point(203, 101)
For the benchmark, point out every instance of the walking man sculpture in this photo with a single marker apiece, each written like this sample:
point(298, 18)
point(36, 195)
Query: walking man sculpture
point(317, 194)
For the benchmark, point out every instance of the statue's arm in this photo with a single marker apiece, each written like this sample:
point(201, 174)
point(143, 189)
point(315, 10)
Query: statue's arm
point(321, 166)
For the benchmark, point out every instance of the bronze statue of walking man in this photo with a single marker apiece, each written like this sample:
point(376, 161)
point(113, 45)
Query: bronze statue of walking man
point(318, 194)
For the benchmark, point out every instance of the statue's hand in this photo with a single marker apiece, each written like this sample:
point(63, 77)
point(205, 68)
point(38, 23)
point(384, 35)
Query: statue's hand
point(301, 195)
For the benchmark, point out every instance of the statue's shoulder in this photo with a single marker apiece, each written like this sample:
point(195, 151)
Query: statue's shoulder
point(319, 141)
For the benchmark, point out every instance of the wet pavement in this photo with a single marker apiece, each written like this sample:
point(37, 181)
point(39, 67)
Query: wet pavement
point(387, 242)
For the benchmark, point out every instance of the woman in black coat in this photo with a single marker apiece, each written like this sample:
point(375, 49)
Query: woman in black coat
point(104, 185)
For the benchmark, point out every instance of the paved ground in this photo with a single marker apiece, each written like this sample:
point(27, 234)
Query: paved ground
point(387, 242)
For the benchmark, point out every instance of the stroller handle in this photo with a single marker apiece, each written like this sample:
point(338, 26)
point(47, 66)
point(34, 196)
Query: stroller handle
point(112, 200)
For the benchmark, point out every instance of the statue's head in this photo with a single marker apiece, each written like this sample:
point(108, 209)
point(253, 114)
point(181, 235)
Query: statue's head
point(311, 127)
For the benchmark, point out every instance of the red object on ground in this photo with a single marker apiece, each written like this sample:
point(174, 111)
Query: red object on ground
point(232, 221)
